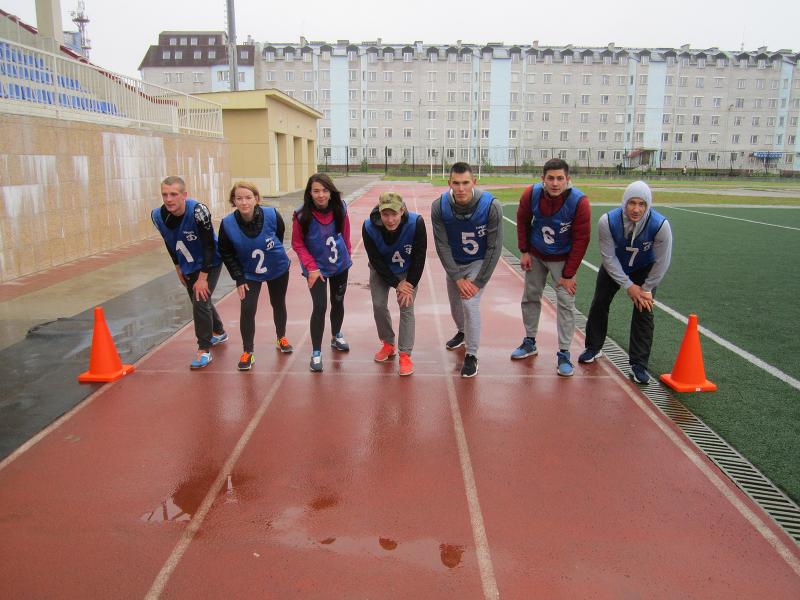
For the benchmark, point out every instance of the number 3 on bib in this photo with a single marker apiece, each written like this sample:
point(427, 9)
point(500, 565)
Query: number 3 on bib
point(468, 243)
point(334, 250)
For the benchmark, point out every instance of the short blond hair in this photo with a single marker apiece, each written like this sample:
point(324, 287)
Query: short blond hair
point(246, 185)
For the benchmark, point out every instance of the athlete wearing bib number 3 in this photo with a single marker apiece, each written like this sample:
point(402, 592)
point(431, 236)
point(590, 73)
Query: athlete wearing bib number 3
point(468, 230)
point(636, 246)
point(185, 224)
point(251, 245)
point(321, 239)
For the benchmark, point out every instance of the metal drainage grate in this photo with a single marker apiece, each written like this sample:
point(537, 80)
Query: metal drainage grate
point(738, 469)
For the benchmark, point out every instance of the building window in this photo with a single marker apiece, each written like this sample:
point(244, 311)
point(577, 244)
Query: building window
point(212, 54)
point(198, 54)
point(173, 41)
point(198, 77)
point(165, 55)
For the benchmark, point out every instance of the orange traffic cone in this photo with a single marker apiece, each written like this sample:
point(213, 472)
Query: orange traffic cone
point(104, 361)
point(688, 374)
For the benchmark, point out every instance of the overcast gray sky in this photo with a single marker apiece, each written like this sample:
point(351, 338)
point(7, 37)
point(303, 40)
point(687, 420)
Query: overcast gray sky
point(122, 31)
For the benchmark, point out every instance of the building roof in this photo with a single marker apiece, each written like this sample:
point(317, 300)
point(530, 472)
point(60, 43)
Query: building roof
point(256, 99)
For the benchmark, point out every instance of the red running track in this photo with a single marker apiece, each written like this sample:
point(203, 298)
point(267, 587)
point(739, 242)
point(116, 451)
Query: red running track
point(356, 483)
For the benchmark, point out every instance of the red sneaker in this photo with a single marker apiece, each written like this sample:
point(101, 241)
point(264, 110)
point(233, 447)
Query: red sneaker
point(406, 366)
point(385, 353)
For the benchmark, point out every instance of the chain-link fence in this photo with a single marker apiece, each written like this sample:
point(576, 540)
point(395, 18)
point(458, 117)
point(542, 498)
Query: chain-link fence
point(433, 160)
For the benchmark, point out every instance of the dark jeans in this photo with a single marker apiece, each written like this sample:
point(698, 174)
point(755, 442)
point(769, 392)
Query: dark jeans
point(642, 325)
point(319, 299)
point(277, 298)
point(206, 317)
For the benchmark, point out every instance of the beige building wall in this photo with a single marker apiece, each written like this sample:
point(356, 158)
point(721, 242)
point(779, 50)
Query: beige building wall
point(272, 138)
point(70, 189)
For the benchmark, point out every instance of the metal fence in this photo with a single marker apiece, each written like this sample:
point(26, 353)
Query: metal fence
point(35, 82)
point(608, 160)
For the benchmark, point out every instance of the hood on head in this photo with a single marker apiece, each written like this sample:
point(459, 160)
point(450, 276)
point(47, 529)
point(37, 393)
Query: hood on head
point(637, 189)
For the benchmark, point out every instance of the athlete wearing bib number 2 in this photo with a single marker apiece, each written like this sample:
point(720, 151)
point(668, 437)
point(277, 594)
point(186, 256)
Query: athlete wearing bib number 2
point(553, 229)
point(321, 239)
point(396, 243)
point(251, 245)
point(185, 224)
point(636, 247)
point(468, 231)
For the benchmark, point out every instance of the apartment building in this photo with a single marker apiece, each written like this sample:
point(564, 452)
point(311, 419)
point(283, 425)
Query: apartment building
point(197, 61)
point(518, 105)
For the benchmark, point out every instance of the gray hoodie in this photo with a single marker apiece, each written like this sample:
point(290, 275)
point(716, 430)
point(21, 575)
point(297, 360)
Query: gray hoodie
point(662, 245)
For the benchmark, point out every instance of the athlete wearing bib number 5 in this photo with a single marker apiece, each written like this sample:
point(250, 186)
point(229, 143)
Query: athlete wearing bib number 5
point(185, 224)
point(321, 239)
point(468, 230)
point(396, 243)
point(251, 245)
point(553, 229)
point(636, 246)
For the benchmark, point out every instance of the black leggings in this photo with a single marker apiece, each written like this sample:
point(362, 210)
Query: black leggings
point(338, 285)
point(277, 298)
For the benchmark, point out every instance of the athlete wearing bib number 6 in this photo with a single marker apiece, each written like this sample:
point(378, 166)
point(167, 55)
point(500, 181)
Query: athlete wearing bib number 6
point(468, 230)
point(185, 224)
point(553, 229)
point(396, 243)
point(636, 246)
point(321, 239)
point(251, 246)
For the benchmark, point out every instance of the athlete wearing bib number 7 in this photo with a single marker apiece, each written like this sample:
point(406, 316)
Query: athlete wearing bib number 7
point(468, 231)
point(185, 224)
point(251, 245)
point(321, 239)
point(396, 243)
point(636, 247)
point(553, 229)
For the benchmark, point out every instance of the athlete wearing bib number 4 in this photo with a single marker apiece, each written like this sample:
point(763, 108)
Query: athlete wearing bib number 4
point(185, 224)
point(468, 231)
point(321, 238)
point(396, 242)
point(636, 246)
point(553, 228)
point(251, 245)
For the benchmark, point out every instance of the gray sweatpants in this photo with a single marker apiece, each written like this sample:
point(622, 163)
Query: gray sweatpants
point(535, 280)
point(467, 313)
point(383, 319)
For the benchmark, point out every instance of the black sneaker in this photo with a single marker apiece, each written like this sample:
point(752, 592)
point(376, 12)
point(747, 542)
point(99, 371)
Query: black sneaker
point(470, 368)
point(246, 361)
point(456, 341)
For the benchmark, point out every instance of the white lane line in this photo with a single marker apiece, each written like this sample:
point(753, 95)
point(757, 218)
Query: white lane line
point(712, 475)
point(751, 358)
point(485, 567)
point(700, 212)
point(177, 553)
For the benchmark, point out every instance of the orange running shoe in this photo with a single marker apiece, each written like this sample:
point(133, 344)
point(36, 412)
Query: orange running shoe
point(246, 361)
point(284, 346)
point(406, 366)
point(385, 353)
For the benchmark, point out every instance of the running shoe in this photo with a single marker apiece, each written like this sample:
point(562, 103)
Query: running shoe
point(246, 361)
point(284, 346)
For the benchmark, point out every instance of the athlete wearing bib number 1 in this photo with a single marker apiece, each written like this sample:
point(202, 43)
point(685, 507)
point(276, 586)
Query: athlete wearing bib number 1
point(321, 239)
point(636, 247)
point(468, 231)
point(251, 245)
point(396, 243)
point(185, 224)
point(553, 229)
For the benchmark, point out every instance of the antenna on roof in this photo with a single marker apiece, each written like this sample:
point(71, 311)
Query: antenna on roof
point(81, 20)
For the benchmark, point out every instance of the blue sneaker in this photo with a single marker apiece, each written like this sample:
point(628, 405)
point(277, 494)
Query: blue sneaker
point(316, 362)
point(565, 368)
point(218, 339)
point(339, 343)
point(201, 361)
point(526, 348)
point(589, 356)
point(639, 374)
